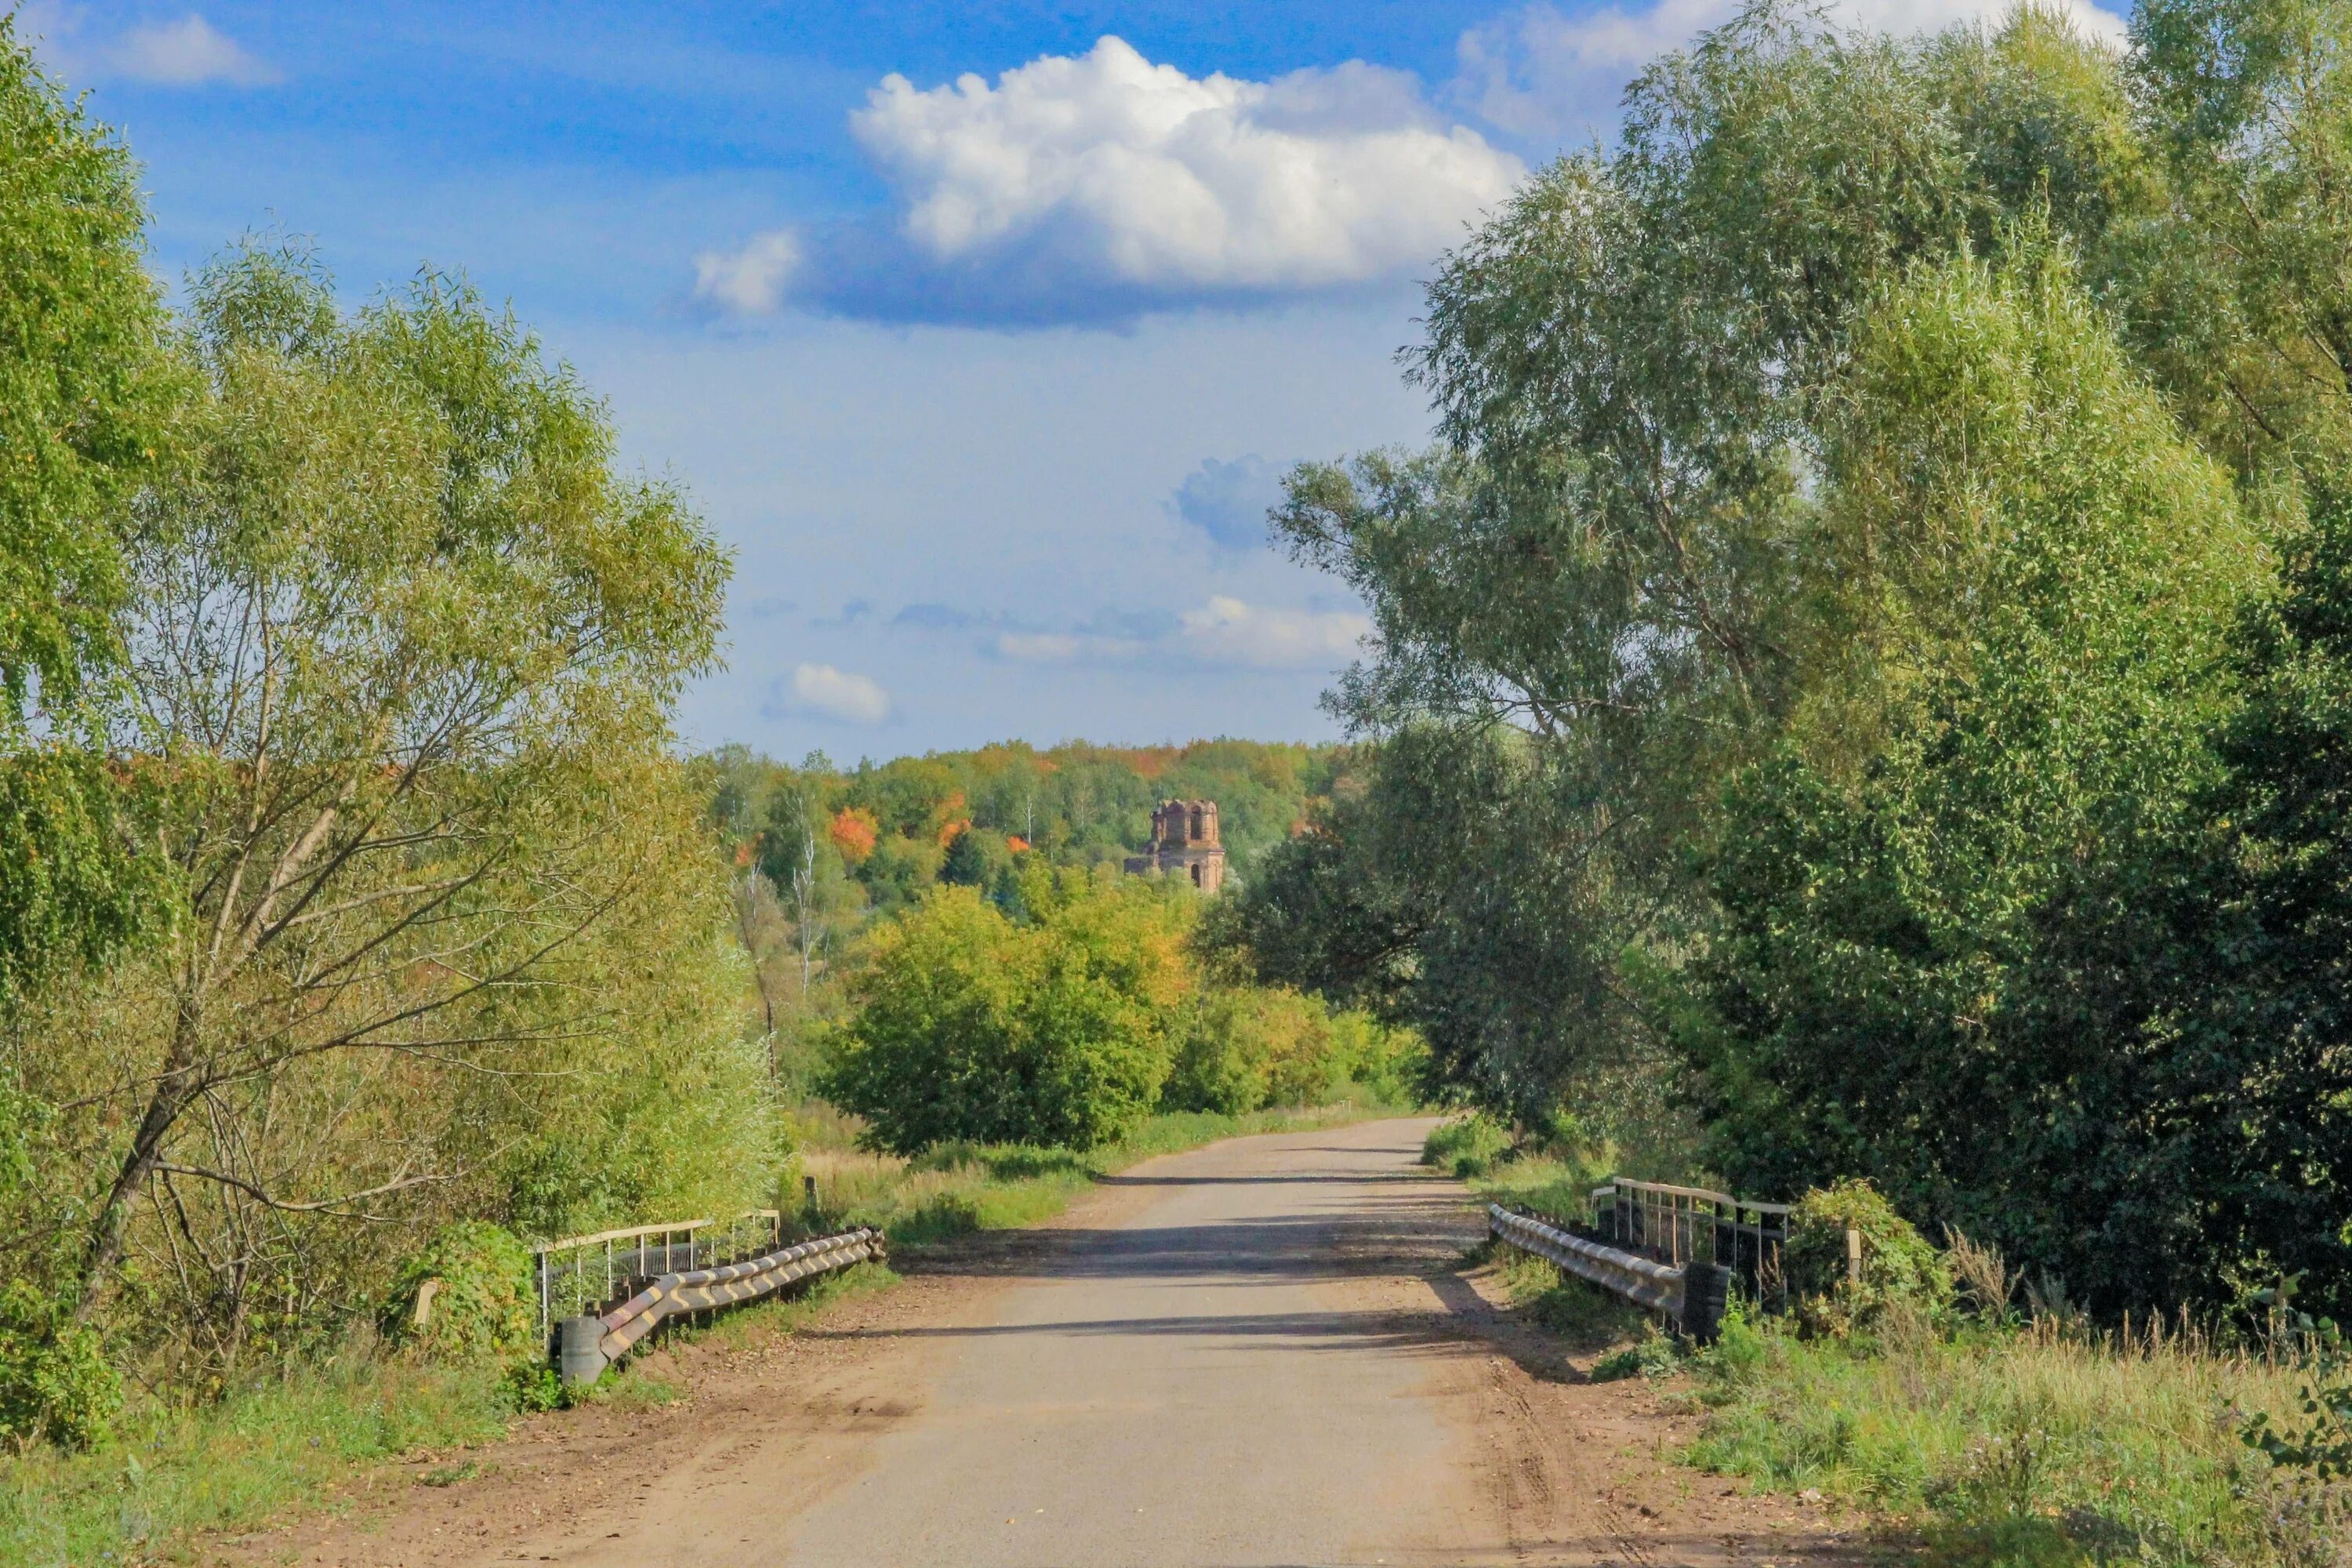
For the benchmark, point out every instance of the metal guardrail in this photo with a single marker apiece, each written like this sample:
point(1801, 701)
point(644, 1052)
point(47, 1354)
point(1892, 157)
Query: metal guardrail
point(1693, 1294)
point(590, 1343)
point(580, 1272)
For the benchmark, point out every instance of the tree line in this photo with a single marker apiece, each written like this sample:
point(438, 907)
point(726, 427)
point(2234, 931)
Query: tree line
point(1861, 682)
point(823, 850)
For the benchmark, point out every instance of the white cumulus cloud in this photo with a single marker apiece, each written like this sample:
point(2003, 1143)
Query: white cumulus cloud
point(189, 52)
point(1141, 173)
point(830, 693)
point(751, 280)
point(1101, 184)
point(1224, 632)
point(1539, 71)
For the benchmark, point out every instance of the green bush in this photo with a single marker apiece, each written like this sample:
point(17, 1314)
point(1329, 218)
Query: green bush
point(1250, 1047)
point(485, 1308)
point(1391, 1063)
point(1467, 1146)
point(1898, 1264)
point(1740, 1348)
point(55, 1382)
point(970, 1028)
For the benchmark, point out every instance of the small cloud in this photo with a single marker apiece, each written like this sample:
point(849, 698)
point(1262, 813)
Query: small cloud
point(933, 617)
point(1044, 648)
point(190, 52)
point(751, 280)
point(1134, 626)
point(1228, 501)
point(851, 614)
point(1225, 632)
point(825, 692)
point(769, 608)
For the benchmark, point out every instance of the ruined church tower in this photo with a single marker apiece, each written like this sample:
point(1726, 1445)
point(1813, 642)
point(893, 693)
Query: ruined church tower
point(1184, 844)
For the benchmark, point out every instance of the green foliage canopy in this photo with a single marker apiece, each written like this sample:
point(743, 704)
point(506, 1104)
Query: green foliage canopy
point(969, 1027)
point(89, 394)
point(1834, 679)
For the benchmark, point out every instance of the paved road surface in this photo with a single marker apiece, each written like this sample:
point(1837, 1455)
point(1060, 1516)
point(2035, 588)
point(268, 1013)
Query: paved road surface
point(1198, 1384)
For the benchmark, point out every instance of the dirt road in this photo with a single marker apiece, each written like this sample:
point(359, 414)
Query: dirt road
point(1261, 1352)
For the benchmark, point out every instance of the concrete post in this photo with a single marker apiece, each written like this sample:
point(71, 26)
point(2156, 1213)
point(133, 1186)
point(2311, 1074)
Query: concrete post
point(579, 1357)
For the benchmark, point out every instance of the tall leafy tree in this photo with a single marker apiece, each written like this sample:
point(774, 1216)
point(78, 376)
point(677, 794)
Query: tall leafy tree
point(1947, 957)
point(87, 397)
point(401, 636)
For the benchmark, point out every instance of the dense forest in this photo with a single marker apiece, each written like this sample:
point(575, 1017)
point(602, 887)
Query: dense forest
point(1860, 686)
point(823, 850)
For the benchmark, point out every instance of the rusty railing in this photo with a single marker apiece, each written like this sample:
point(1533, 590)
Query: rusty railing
point(1675, 1225)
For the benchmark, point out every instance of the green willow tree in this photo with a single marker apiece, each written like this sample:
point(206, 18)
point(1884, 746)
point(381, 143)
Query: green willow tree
point(401, 642)
point(1947, 956)
point(1598, 585)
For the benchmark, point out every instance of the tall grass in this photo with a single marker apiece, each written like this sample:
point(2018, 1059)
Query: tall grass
point(177, 1471)
point(2039, 1444)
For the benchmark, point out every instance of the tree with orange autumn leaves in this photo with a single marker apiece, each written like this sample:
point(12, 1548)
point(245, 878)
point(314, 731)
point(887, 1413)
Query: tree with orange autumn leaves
point(853, 832)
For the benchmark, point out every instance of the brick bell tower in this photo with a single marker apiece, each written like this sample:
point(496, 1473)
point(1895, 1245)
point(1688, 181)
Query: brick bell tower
point(1184, 844)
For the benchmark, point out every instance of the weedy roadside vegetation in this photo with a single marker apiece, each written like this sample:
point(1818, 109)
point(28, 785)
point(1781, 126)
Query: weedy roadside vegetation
point(1975, 1412)
point(2033, 1440)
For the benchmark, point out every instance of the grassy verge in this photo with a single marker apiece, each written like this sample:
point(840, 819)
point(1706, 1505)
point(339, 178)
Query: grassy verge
point(2008, 1445)
point(2028, 1445)
point(175, 1474)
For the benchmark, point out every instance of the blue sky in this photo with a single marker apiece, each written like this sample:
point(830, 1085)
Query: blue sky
point(981, 331)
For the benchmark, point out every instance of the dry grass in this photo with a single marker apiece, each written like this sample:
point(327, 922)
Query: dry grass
point(1981, 1271)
